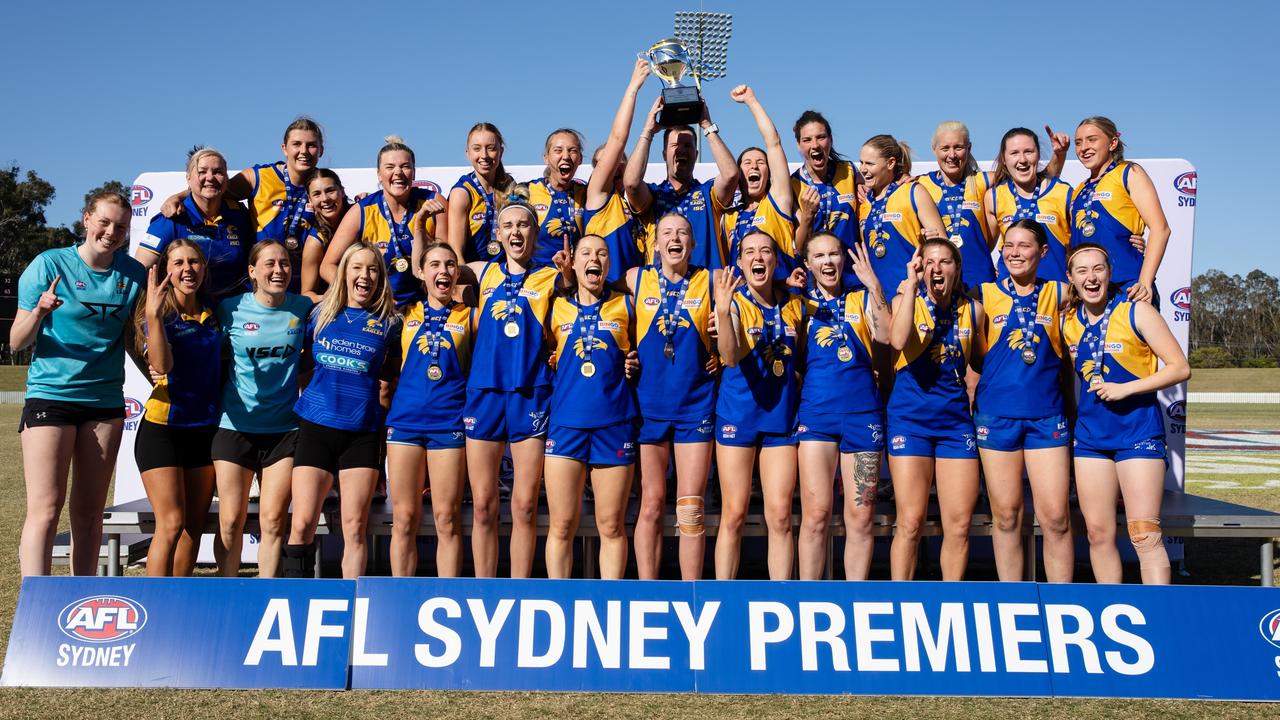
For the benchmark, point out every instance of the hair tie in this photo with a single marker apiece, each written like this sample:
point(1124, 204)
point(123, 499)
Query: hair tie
point(514, 198)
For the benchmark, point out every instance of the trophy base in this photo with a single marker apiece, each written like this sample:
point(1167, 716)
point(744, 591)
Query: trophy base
point(680, 106)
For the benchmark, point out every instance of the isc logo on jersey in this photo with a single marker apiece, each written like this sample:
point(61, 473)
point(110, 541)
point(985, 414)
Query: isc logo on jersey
point(99, 621)
point(1185, 184)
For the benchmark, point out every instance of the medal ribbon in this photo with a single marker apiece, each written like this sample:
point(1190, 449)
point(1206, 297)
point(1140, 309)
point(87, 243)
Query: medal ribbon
point(774, 330)
point(434, 328)
point(947, 332)
point(671, 310)
point(878, 206)
point(511, 285)
point(485, 235)
point(835, 308)
point(1028, 327)
point(399, 231)
point(1027, 207)
point(1098, 349)
point(953, 197)
point(295, 204)
point(562, 208)
point(586, 325)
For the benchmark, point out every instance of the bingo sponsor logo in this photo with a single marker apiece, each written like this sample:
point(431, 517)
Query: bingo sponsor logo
point(1185, 184)
point(1269, 627)
point(94, 623)
point(1181, 300)
point(139, 196)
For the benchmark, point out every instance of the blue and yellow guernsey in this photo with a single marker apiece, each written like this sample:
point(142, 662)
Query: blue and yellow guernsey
point(1123, 357)
point(964, 218)
point(1108, 208)
point(838, 200)
point(751, 392)
point(349, 352)
point(738, 222)
point(480, 243)
point(832, 384)
point(892, 222)
point(395, 240)
point(698, 205)
point(1010, 387)
point(559, 217)
point(510, 348)
point(281, 211)
point(430, 400)
point(675, 388)
point(929, 393)
point(623, 234)
point(1049, 208)
point(598, 334)
point(187, 396)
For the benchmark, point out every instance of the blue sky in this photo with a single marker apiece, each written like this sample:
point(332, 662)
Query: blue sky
point(109, 90)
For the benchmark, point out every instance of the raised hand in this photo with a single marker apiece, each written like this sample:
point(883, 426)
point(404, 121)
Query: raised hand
point(1058, 141)
point(725, 286)
point(49, 300)
point(651, 120)
point(798, 279)
point(860, 260)
point(563, 260)
point(640, 73)
point(810, 200)
point(915, 267)
point(742, 94)
point(432, 207)
point(157, 291)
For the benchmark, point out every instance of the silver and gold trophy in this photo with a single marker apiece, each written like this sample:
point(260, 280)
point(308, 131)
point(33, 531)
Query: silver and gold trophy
point(698, 51)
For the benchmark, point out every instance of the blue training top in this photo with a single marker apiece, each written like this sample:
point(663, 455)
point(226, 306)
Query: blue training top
point(265, 346)
point(349, 352)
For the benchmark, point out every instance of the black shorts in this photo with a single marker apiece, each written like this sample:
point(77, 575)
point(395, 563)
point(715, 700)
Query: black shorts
point(163, 446)
point(333, 450)
point(253, 450)
point(39, 412)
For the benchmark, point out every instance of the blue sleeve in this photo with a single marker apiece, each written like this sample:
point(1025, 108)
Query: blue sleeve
point(160, 233)
point(34, 281)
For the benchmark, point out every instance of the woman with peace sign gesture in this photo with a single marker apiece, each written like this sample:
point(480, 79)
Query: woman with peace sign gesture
point(74, 304)
point(182, 342)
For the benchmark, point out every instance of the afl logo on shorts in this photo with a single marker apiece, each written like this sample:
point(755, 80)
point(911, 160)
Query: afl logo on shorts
point(102, 619)
point(132, 408)
point(1185, 183)
point(1177, 411)
point(1270, 627)
point(139, 196)
point(1181, 298)
point(899, 442)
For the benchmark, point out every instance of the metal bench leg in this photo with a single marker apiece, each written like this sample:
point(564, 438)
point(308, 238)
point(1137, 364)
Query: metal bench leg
point(831, 556)
point(1267, 574)
point(113, 555)
point(590, 558)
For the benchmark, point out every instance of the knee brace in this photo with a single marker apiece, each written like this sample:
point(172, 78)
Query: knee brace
point(298, 561)
point(689, 515)
point(1148, 542)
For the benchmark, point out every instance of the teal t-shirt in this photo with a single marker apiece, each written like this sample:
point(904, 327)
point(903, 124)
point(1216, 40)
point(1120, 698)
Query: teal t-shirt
point(79, 348)
point(265, 346)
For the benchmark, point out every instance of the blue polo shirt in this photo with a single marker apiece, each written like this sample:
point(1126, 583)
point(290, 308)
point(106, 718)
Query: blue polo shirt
point(225, 240)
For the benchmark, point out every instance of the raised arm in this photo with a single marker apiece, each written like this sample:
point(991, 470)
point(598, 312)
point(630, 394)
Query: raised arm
point(602, 170)
point(902, 324)
point(638, 195)
point(779, 171)
point(159, 355)
point(726, 319)
point(1059, 142)
point(726, 183)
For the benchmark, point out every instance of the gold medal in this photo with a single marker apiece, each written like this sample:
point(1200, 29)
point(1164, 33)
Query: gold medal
point(778, 368)
point(1029, 355)
point(844, 353)
point(588, 369)
point(879, 249)
point(434, 372)
point(1095, 380)
point(956, 240)
point(494, 248)
point(512, 328)
point(1088, 229)
point(401, 264)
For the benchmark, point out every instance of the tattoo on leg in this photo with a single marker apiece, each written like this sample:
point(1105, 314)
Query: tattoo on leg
point(866, 478)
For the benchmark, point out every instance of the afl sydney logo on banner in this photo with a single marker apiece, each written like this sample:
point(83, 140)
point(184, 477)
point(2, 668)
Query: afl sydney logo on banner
point(1185, 184)
point(103, 619)
point(1270, 627)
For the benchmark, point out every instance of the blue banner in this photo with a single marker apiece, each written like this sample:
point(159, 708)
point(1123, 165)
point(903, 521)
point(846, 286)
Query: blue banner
point(919, 638)
point(180, 632)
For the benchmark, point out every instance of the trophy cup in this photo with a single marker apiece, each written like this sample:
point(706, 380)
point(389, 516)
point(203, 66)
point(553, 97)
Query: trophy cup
point(681, 104)
point(697, 50)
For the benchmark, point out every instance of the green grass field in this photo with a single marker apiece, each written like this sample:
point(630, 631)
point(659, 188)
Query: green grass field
point(1210, 562)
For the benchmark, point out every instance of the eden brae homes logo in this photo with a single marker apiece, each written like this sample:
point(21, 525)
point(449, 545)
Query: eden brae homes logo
point(98, 627)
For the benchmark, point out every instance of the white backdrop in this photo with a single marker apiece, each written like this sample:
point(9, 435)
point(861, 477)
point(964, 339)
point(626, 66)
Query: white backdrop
point(1175, 181)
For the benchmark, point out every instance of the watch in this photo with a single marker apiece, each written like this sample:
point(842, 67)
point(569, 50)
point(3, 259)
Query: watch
point(710, 130)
